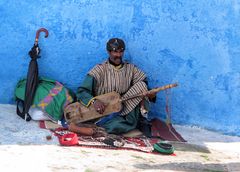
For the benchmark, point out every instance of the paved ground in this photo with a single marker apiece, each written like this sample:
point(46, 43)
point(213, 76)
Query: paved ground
point(55, 158)
point(24, 147)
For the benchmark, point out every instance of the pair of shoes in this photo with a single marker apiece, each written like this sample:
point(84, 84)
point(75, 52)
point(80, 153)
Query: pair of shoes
point(163, 148)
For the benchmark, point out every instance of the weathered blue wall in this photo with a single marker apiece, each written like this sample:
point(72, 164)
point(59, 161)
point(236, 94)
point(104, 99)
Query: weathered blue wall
point(194, 43)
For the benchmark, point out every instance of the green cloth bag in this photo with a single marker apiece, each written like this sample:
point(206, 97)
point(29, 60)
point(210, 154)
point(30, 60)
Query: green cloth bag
point(51, 96)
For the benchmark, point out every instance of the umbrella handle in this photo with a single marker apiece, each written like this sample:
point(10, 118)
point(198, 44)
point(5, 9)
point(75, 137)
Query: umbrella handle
point(38, 33)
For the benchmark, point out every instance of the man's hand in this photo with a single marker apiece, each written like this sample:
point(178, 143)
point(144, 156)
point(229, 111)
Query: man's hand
point(150, 94)
point(99, 106)
point(34, 52)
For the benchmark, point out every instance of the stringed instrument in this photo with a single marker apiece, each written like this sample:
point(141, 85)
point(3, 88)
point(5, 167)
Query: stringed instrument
point(77, 112)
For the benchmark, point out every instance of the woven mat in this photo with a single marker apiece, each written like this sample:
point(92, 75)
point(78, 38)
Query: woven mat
point(133, 140)
point(142, 144)
point(159, 129)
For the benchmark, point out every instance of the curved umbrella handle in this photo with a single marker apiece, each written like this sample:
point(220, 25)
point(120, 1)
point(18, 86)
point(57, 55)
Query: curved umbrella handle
point(38, 33)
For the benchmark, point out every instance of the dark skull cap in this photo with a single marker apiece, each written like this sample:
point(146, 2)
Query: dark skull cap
point(115, 44)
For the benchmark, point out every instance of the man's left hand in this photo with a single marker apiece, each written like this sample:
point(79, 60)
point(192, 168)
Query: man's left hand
point(150, 94)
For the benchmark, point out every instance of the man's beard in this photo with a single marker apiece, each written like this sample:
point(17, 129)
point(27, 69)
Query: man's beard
point(115, 60)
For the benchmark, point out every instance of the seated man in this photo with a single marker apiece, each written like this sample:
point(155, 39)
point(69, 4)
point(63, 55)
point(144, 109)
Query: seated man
point(115, 75)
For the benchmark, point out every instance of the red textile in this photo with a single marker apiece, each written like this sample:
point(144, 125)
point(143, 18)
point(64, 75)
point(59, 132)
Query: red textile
point(165, 131)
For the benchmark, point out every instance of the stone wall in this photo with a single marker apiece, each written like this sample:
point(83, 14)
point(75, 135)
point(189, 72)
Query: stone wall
point(194, 43)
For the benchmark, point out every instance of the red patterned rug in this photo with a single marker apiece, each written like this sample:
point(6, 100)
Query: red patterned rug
point(160, 131)
point(142, 144)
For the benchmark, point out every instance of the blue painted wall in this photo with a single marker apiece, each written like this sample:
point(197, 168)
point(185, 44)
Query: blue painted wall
point(194, 43)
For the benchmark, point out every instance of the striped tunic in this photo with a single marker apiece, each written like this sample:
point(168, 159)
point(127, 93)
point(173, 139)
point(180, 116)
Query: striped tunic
point(127, 81)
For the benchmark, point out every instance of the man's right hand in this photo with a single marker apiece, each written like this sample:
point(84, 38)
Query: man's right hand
point(99, 106)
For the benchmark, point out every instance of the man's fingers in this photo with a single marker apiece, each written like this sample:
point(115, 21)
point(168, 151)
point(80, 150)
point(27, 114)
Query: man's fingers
point(99, 106)
point(102, 108)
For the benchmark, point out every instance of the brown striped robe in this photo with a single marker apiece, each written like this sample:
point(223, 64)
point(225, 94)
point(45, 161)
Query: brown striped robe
point(127, 81)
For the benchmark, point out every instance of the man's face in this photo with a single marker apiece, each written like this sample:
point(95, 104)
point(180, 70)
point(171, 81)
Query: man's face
point(116, 56)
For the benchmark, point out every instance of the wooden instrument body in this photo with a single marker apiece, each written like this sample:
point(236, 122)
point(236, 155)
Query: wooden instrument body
point(77, 112)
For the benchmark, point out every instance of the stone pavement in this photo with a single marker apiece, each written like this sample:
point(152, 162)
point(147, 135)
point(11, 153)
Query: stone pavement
point(24, 147)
